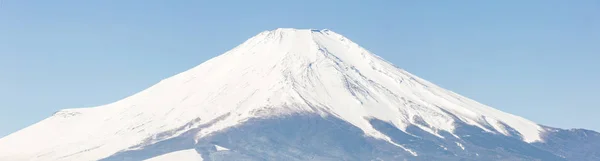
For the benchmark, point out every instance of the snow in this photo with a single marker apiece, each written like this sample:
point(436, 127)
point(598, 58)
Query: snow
point(184, 155)
point(412, 152)
point(274, 73)
point(220, 148)
point(460, 145)
point(443, 147)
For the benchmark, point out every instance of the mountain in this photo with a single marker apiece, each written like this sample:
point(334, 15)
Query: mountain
point(295, 94)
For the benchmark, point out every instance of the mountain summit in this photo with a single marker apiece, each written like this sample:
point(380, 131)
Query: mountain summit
point(295, 94)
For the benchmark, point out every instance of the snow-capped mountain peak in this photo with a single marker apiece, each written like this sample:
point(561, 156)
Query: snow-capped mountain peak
point(275, 73)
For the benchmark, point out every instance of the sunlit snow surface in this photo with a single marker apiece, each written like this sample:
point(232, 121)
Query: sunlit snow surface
point(275, 73)
point(184, 155)
point(220, 148)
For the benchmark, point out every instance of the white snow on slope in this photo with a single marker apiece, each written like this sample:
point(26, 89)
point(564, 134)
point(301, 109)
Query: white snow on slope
point(184, 155)
point(220, 148)
point(274, 73)
point(460, 145)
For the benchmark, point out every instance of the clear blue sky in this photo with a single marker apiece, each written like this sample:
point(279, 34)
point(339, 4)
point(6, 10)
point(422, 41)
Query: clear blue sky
point(537, 58)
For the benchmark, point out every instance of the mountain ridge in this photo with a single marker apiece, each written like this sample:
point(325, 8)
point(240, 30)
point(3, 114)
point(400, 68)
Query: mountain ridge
point(274, 75)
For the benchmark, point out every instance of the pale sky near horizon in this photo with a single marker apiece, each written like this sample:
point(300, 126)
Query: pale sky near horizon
point(538, 59)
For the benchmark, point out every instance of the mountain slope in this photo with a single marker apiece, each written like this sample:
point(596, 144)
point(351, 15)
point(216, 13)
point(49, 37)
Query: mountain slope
point(184, 155)
point(279, 80)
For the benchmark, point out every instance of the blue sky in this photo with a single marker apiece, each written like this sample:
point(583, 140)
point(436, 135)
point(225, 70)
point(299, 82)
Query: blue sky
point(536, 59)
